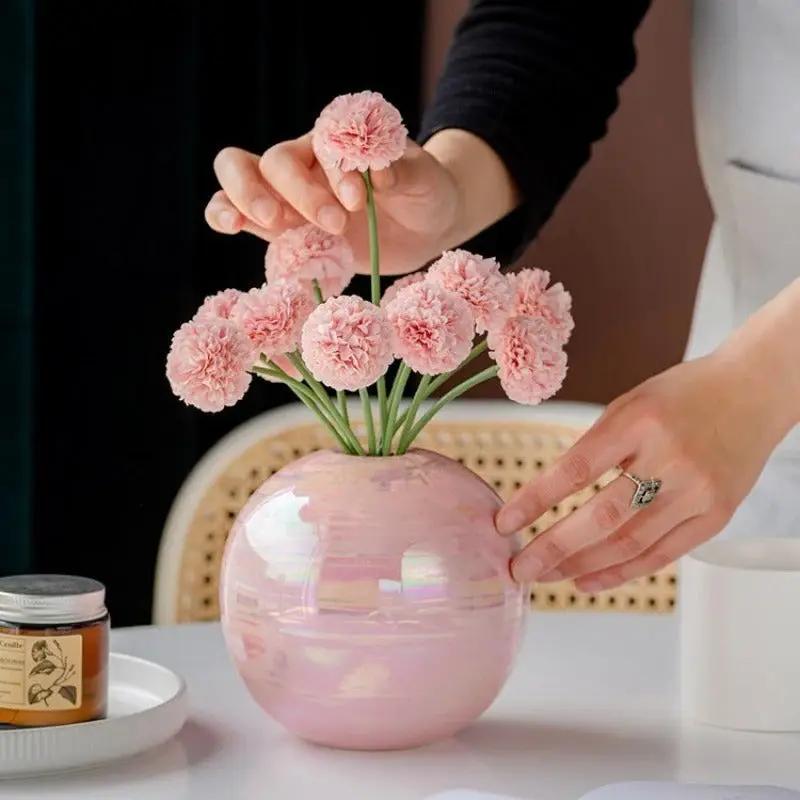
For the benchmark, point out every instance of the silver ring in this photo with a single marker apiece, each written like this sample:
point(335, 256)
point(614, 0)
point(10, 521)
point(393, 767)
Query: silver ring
point(646, 490)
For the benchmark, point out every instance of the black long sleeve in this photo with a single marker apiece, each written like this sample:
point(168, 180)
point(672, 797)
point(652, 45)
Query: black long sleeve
point(537, 80)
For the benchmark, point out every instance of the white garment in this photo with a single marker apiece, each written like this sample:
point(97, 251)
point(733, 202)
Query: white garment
point(746, 70)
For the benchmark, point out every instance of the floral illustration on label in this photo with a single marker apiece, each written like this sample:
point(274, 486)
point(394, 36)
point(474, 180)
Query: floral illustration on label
point(53, 670)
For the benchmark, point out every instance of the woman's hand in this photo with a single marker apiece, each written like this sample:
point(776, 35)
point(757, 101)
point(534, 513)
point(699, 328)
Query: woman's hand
point(428, 201)
point(286, 187)
point(705, 428)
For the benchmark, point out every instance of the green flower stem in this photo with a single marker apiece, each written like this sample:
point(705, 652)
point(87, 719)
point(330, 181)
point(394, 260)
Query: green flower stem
point(317, 291)
point(375, 280)
point(411, 411)
point(366, 406)
point(441, 379)
point(382, 406)
point(327, 403)
point(374, 254)
point(306, 397)
point(455, 392)
point(274, 371)
point(300, 389)
point(400, 380)
point(296, 386)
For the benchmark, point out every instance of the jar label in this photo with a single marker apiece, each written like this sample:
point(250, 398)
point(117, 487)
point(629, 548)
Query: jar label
point(41, 673)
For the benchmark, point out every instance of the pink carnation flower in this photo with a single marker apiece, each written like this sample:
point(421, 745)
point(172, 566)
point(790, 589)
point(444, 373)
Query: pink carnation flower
point(432, 328)
point(219, 305)
point(359, 132)
point(347, 343)
point(401, 283)
point(533, 298)
point(479, 281)
point(532, 362)
point(302, 254)
point(207, 364)
point(272, 317)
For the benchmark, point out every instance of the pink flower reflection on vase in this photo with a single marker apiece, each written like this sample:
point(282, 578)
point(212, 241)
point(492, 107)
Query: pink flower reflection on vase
point(367, 602)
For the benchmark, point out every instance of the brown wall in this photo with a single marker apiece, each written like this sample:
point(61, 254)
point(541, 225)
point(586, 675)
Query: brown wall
point(628, 237)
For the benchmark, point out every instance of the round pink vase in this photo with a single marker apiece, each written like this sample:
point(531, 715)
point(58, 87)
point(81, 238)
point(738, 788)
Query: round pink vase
point(367, 602)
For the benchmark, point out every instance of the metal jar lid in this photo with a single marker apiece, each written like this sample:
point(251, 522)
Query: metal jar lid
point(51, 599)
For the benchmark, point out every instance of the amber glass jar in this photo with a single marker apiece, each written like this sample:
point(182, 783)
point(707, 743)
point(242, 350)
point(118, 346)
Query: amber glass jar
point(53, 650)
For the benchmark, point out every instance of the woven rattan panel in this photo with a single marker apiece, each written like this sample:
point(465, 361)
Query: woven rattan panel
point(506, 455)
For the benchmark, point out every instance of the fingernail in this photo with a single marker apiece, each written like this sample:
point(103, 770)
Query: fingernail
point(263, 210)
point(589, 587)
point(228, 219)
point(509, 520)
point(348, 194)
point(527, 569)
point(332, 218)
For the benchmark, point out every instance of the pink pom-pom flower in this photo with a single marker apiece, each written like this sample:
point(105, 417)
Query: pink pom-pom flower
point(532, 364)
point(272, 317)
point(432, 328)
point(401, 283)
point(219, 306)
point(208, 362)
point(303, 254)
point(359, 132)
point(479, 281)
point(534, 298)
point(347, 343)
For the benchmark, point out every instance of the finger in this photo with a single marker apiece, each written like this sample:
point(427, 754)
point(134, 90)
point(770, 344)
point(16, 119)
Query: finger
point(238, 175)
point(594, 521)
point(405, 174)
point(223, 217)
point(289, 217)
point(627, 542)
point(287, 167)
point(676, 543)
point(609, 442)
point(348, 187)
point(384, 179)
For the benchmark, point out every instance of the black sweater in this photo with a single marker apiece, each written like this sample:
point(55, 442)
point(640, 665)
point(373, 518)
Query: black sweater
point(537, 80)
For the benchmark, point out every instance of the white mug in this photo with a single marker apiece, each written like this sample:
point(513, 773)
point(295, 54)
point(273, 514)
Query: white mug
point(740, 634)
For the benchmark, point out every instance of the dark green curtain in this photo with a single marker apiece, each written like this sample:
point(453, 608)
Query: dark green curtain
point(132, 101)
point(16, 263)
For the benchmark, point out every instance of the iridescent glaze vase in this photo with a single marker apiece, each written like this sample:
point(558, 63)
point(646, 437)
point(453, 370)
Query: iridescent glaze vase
point(367, 602)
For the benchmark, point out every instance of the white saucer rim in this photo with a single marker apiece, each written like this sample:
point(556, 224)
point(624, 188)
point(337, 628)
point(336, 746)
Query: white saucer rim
point(106, 721)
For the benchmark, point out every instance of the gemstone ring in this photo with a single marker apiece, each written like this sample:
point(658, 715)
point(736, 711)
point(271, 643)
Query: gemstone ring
point(646, 490)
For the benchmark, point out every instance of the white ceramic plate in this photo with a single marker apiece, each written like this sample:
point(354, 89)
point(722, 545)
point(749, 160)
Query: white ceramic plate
point(146, 707)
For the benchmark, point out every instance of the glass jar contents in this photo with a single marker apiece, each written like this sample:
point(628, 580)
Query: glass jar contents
point(53, 650)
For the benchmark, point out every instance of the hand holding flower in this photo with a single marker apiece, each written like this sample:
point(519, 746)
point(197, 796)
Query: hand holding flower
point(428, 319)
point(416, 197)
point(430, 199)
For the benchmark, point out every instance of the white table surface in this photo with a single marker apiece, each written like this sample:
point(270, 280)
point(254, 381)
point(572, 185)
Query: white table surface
point(592, 700)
